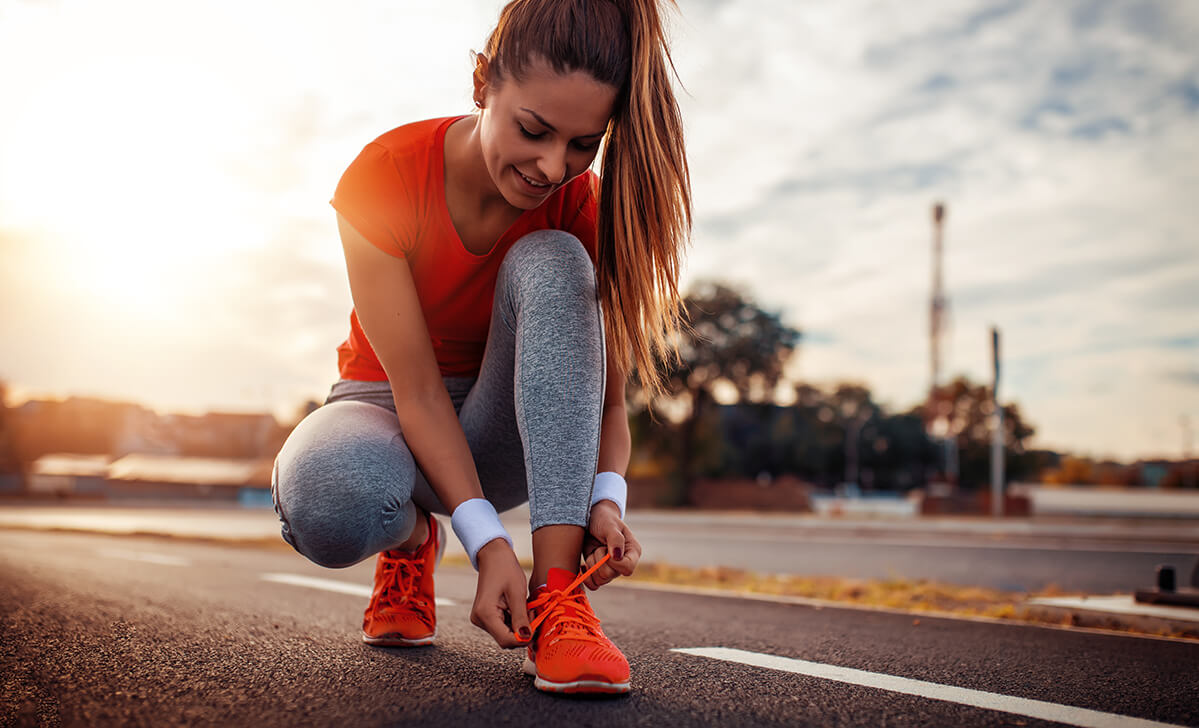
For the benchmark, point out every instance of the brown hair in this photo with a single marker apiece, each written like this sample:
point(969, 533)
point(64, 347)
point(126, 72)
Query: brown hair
point(645, 190)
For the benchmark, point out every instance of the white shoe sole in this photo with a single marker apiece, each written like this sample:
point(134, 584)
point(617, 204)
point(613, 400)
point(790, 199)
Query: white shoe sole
point(574, 686)
point(393, 641)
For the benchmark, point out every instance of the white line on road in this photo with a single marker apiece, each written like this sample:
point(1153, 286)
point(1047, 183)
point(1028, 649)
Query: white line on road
point(332, 585)
point(146, 556)
point(1038, 709)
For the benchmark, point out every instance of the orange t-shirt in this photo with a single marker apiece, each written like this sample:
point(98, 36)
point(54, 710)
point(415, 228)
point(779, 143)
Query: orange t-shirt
point(394, 195)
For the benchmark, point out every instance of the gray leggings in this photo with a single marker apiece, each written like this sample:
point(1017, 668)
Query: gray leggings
point(344, 481)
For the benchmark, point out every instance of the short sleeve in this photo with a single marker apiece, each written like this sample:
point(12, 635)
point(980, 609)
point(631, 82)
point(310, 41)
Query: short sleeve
point(583, 220)
point(373, 198)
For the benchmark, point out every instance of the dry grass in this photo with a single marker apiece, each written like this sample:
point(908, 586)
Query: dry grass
point(917, 596)
point(894, 593)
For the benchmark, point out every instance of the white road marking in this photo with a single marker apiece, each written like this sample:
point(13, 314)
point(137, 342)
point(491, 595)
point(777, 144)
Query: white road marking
point(332, 585)
point(1039, 709)
point(146, 556)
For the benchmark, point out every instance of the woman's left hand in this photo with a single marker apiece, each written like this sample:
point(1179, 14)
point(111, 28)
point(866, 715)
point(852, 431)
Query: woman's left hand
point(606, 532)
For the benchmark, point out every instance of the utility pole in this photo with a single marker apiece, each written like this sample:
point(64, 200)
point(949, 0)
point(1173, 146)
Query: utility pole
point(996, 432)
point(937, 308)
point(937, 324)
point(1189, 472)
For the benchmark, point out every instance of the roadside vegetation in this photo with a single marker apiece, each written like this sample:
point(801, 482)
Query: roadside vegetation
point(920, 597)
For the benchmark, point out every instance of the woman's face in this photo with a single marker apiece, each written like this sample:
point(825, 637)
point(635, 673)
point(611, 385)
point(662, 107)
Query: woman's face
point(540, 132)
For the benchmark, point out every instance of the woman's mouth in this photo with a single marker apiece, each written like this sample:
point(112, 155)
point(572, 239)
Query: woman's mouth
point(532, 185)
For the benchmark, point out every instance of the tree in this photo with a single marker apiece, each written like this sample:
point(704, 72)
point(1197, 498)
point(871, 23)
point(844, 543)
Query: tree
point(890, 452)
point(729, 341)
point(968, 408)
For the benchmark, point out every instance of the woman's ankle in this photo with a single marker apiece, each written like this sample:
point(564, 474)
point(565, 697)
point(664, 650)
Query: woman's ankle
point(556, 546)
point(420, 531)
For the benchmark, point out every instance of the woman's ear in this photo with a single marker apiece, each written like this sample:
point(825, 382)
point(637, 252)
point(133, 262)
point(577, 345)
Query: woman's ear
point(480, 76)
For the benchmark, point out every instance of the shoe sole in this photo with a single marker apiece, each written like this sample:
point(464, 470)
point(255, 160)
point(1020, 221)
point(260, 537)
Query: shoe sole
point(574, 686)
point(396, 641)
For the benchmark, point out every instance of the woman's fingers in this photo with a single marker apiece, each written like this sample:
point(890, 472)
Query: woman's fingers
point(632, 554)
point(613, 538)
point(518, 612)
point(500, 608)
point(490, 619)
point(495, 620)
point(603, 574)
point(589, 560)
point(625, 566)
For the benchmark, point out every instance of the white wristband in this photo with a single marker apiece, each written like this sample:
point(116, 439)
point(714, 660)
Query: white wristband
point(477, 524)
point(610, 486)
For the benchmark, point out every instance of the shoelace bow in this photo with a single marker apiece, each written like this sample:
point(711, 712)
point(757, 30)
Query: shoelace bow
point(583, 624)
point(400, 575)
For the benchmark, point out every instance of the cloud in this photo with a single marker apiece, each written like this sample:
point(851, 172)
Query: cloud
point(1185, 377)
point(1061, 136)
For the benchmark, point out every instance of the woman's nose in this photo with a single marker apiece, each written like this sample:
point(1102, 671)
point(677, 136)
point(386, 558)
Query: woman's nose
point(553, 165)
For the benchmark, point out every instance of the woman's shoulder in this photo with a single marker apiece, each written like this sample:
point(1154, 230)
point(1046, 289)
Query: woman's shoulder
point(415, 137)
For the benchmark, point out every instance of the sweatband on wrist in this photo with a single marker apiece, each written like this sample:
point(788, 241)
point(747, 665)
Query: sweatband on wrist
point(610, 486)
point(476, 524)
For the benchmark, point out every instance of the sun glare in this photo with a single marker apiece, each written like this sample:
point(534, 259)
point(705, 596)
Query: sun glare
point(119, 167)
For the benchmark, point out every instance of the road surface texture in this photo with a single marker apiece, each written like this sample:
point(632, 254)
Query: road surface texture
point(107, 630)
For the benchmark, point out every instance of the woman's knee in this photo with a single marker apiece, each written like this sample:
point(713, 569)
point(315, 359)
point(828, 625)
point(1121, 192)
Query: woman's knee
point(342, 484)
point(549, 259)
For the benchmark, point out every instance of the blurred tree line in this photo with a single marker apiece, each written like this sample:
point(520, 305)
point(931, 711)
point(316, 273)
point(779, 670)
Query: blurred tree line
point(717, 419)
point(735, 350)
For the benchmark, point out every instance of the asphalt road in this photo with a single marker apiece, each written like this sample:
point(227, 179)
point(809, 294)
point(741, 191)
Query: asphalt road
point(103, 630)
point(1002, 560)
point(1092, 555)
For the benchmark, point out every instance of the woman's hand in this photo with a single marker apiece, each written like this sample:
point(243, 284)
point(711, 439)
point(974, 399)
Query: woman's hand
point(500, 596)
point(606, 532)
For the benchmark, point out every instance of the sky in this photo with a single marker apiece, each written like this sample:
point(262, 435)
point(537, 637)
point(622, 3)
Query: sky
point(165, 172)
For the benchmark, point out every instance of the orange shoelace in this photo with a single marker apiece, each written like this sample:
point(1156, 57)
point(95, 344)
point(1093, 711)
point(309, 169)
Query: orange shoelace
point(573, 614)
point(401, 574)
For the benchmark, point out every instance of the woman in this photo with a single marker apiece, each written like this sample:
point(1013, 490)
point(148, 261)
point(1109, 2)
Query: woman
point(502, 293)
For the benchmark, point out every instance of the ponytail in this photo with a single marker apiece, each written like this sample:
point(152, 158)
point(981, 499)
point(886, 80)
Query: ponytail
point(645, 190)
point(644, 206)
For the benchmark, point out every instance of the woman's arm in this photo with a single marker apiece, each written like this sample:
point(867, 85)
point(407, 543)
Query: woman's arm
point(606, 529)
point(615, 442)
point(389, 310)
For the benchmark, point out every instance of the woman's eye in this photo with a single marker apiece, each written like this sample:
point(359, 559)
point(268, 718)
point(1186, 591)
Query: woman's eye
point(587, 147)
point(528, 134)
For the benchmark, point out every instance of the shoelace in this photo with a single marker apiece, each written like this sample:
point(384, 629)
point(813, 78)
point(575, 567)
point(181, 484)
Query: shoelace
point(583, 624)
point(400, 575)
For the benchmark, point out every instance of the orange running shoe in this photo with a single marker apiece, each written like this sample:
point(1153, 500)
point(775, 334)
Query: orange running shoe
point(569, 652)
point(402, 611)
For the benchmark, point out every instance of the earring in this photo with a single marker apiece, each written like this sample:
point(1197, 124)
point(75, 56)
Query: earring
point(478, 103)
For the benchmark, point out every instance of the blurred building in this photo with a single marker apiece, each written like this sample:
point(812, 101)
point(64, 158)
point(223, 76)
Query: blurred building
point(83, 446)
point(68, 474)
point(90, 426)
point(240, 480)
point(152, 476)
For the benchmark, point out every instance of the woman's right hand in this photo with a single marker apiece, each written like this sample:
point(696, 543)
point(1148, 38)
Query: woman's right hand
point(500, 596)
